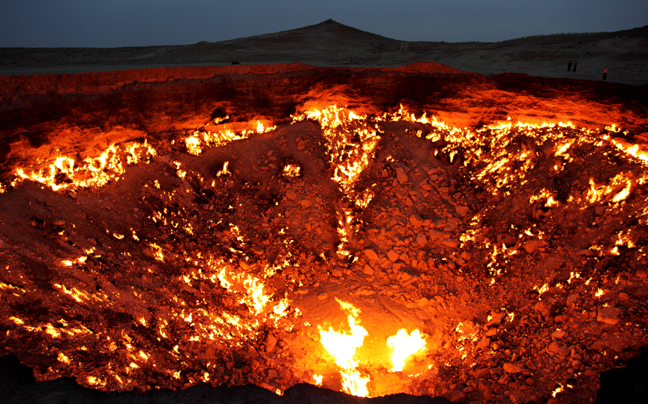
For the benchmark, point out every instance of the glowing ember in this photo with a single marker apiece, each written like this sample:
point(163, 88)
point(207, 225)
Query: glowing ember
point(404, 345)
point(157, 252)
point(291, 170)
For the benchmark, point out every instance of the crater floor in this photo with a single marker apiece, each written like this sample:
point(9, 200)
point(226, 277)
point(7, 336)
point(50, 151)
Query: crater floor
point(517, 250)
point(287, 224)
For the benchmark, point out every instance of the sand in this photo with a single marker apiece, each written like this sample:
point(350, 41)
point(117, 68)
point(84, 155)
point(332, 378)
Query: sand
point(332, 44)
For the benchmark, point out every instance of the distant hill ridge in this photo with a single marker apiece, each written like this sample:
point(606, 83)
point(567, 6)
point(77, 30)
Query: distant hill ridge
point(325, 29)
point(639, 32)
point(331, 29)
point(331, 43)
point(327, 36)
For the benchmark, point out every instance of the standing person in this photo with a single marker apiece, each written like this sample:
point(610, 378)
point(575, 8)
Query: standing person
point(605, 70)
point(569, 66)
point(575, 65)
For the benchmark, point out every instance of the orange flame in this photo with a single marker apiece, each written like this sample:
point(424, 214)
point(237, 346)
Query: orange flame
point(200, 138)
point(65, 173)
point(404, 345)
point(343, 345)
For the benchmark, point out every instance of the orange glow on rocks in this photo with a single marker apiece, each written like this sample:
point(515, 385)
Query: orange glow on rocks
point(223, 248)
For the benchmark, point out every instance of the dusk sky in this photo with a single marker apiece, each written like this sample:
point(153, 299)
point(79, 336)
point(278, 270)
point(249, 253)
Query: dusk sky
point(114, 23)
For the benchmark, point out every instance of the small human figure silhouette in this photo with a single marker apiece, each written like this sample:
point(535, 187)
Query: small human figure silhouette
point(569, 65)
point(574, 66)
point(605, 70)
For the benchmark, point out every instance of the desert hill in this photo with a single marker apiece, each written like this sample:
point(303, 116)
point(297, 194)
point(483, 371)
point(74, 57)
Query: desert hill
point(330, 43)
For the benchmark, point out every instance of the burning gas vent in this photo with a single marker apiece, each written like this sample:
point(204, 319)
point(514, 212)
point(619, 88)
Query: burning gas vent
point(367, 253)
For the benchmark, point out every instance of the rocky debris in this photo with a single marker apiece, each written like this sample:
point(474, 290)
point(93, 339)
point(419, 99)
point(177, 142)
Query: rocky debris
point(449, 242)
point(608, 315)
point(532, 245)
point(270, 343)
point(496, 318)
point(554, 347)
point(484, 343)
point(421, 240)
point(415, 221)
point(371, 254)
point(542, 308)
point(454, 396)
point(462, 210)
point(367, 270)
point(401, 175)
point(572, 299)
point(516, 367)
point(558, 334)
point(422, 302)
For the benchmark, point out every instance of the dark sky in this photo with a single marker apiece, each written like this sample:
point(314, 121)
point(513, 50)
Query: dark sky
point(112, 23)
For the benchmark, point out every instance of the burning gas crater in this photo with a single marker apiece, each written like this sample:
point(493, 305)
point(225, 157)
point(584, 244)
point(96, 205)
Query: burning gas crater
point(368, 254)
